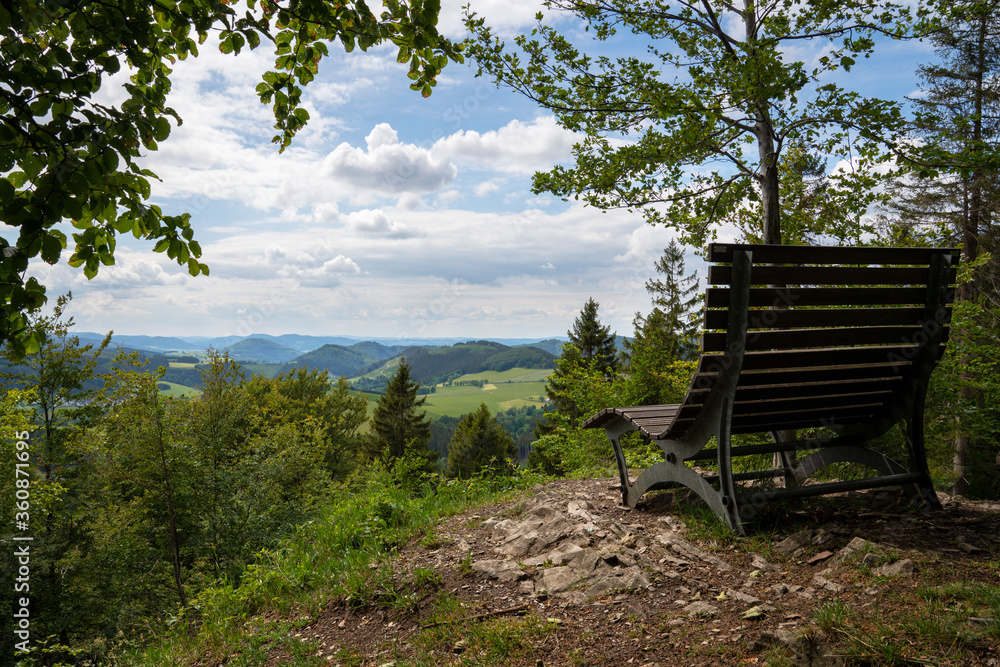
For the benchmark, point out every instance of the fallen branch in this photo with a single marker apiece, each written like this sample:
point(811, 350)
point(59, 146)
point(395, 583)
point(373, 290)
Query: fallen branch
point(499, 612)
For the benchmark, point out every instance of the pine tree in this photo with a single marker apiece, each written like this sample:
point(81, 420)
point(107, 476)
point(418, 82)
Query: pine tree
point(397, 427)
point(592, 346)
point(670, 329)
point(480, 443)
point(595, 342)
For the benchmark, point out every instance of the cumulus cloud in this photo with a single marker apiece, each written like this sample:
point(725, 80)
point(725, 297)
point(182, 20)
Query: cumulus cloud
point(520, 147)
point(327, 274)
point(388, 165)
point(377, 223)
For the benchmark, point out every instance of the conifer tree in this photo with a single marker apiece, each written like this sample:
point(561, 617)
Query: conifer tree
point(591, 346)
point(670, 329)
point(397, 425)
point(594, 341)
point(480, 443)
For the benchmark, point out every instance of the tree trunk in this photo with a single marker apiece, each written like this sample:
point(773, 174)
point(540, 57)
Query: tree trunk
point(970, 251)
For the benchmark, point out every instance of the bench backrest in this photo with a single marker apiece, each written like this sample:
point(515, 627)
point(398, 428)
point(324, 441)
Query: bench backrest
point(834, 335)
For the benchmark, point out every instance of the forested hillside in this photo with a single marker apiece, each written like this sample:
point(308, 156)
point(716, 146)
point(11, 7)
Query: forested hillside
point(261, 350)
point(433, 365)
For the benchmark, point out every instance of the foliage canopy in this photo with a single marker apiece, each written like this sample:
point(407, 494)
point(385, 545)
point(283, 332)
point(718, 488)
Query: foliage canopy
point(67, 156)
point(692, 133)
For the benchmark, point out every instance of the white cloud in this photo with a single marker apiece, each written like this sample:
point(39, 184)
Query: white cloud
point(517, 147)
point(377, 223)
point(388, 166)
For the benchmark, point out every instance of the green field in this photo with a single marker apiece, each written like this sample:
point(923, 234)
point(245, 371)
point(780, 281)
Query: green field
point(507, 389)
point(457, 401)
point(512, 375)
point(178, 390)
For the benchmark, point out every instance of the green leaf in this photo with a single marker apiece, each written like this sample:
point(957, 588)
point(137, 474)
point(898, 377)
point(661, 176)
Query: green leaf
point(161, 128)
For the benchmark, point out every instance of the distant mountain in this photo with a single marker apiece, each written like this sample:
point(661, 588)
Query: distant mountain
point(308, 343)
point(378, 350)
point(430, 365)
point(552, 346)
point(337, 360)
point(262, 350)
point(148, 343)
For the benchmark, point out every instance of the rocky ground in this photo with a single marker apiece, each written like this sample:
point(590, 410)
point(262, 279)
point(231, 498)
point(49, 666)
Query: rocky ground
point(567, 576)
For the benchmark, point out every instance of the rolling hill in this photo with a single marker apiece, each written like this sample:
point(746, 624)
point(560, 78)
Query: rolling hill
point(431, 365)
point(262, 350)
point(339, 360)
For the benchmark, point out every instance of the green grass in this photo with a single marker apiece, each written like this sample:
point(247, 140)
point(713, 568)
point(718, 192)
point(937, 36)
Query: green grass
point(458, 401)
point(499, 396)
point(345, 553)
point(178, 390)
point(511, 375)
point(266, 370)
point(932, 628)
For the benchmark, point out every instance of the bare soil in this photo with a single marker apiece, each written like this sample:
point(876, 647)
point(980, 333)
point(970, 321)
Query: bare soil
point(752, 616)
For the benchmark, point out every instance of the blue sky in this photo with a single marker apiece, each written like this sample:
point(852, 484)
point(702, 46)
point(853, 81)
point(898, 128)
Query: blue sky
point(391, 215)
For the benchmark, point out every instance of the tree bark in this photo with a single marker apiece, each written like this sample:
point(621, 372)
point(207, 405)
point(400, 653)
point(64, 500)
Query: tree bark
point(970, 251)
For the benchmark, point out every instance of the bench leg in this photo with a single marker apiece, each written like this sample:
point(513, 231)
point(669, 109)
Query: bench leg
point(614, 434)
point(673, 472)
point(727, 487)
point(926, 495)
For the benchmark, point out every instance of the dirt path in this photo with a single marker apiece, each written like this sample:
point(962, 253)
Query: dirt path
point(569, 577)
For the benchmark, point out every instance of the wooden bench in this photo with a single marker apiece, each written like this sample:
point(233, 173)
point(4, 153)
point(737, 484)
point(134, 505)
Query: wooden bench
point(838, 340)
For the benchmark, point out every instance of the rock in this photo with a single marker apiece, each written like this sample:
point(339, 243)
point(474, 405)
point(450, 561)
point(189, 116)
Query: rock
point(743, 597)
point(685, 548)
point(631, 578)
point(854, 545)
point(557, 579)
point(820, 557)
point(505, 571)
point(700, 608)
point(795, 541)
point(821, 537)
point(899, 568)
point(759, 563)
point(826, 584)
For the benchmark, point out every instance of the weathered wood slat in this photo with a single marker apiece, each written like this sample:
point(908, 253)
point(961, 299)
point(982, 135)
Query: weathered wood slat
point(788, 404)
point(820, 317)
point(779, 391)
point(780, 254)
point(802, 359)
point(784, 297)
point(823, 275)
point(703, 383)
point(803, 338)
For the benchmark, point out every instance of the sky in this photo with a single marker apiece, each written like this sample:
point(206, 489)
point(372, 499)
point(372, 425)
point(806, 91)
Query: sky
point(390, 216)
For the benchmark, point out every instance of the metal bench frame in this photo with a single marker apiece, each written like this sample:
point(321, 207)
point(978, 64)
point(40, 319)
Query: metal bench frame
point(777, 358)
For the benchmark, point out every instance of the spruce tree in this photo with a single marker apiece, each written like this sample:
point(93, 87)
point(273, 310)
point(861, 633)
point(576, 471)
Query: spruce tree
point(591, 345)
point(397, 426)
point(670, 328)
point(595, 341)
point(480, 443)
